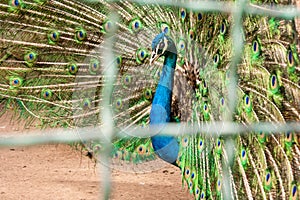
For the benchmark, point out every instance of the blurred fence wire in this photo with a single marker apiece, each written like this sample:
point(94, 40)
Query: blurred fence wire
point(237, 10)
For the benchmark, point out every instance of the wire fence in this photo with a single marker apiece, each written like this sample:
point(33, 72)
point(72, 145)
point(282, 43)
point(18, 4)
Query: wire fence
point(237, 10)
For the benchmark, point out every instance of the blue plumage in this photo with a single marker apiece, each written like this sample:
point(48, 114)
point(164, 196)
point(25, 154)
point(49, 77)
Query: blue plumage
point(166, 147)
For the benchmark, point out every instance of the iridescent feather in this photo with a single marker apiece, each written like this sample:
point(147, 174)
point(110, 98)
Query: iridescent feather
point(52, 74)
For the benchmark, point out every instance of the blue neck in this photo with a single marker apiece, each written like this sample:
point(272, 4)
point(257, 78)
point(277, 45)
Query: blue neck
point(166, 147)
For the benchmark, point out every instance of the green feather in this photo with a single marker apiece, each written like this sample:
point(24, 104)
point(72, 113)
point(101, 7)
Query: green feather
point(55, 54)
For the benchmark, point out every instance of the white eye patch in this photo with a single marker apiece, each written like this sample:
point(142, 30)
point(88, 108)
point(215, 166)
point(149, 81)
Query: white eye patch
point(163, 45)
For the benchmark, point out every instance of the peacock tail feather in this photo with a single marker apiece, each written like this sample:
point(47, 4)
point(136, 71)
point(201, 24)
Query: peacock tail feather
point(54, 55)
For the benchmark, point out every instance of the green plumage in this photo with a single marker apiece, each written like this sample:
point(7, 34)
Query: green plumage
point(52, 73)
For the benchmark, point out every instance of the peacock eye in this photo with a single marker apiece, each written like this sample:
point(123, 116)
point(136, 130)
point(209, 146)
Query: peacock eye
point(268, 176)
point(288, 134)
point(119, 104)
point(290, 58)
point(46, 94)
point(193, 175)
point(268, 180)
point(148, 94)
point(30, 57)
point(118, 154)
point(247, 103)
point(216, 59)
point(289, 138)
point(141, 55)
point(255, 48)
point(219, 185)
point(15, 82)
point(53, 37)
point(222, 101)
point(243, 153)
point(107, 26)
point(247, 100)
point(218, 143)
point(127, 79)
point(16, 3)
point(273, 80)
point(184, 142)
point(200, 16)
point(181, 46)
point(209, 33)
point(205, 107)
point(80, 35)
point(86, 103)
point(182, 14)
point(205, 110)
point(190, 184)
point(202, 196)
point(187, 172)
point(73, 69)
point(262, 137)
point(223, 28)
point(135, 25)
point(119, 61)
point(200, 144)
point(294, 190)
point(94, 66)
point(165, 28)
point(273, 83)
point(204, 84)
point(243, 156)
point(141, 149)
point(192, 34)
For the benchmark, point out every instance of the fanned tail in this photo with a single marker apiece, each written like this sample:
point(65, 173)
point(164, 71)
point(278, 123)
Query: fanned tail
point(52, 75)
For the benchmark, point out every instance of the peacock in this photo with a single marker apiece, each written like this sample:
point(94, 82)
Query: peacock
point(172, 66)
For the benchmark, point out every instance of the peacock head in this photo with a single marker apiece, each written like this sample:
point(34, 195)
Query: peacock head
point(162, 45)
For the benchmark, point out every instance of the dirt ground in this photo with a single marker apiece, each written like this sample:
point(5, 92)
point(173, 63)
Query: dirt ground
point(60, 172)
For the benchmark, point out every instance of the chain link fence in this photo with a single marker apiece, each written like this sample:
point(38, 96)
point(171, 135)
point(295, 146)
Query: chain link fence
point(237, 10)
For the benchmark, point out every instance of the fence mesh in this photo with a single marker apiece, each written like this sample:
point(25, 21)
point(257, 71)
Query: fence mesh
point(237, 10)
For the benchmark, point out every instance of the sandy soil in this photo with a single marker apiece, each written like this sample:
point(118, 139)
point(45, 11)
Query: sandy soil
point(60, 172)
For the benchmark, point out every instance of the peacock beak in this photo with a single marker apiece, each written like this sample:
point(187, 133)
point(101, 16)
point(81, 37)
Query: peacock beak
point(154, 57)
